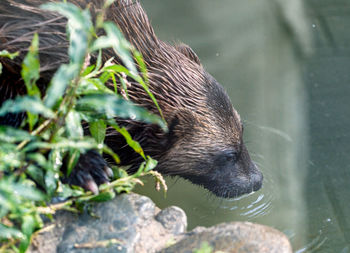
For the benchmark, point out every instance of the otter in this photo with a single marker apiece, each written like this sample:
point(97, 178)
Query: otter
point(204, 143)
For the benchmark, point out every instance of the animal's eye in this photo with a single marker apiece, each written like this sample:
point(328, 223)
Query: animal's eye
point(225, 157)
point(231, 156)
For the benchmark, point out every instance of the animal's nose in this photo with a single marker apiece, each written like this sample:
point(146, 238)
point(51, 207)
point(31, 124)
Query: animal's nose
point(256, 178)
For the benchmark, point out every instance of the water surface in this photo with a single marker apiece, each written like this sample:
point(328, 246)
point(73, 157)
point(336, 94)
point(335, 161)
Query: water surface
point(295, 105)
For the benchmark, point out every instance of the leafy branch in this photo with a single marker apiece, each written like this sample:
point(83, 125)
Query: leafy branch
point(31, 156)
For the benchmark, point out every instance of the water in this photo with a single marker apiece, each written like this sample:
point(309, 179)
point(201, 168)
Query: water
point(293, 96)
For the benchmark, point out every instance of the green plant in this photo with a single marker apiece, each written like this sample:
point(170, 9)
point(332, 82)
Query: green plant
point(76, 95)
point(205, 248)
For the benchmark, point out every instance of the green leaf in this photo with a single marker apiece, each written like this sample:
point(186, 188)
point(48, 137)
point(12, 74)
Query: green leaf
point(119, 173)
point(74, 156)
point(98, 130)
point(62, 78)
point(115, 85)
point(28, 224)
point(142, 65)
point(145, 87)
point(28, 192)
point(32, 119)
point(110, 152)
point(31, 73)
point(5, 53)
point(24, 189)
point(10, 157)
point(125, 188)
point(93, 85)
point(114, 106)
point(101, 42)
point(104, 77)
point(133, 144)
point(51, 180)
point(107, 3)
point(51, 177)
point(78, 46)
point(73, 125)
point(86, 87)
point(102, 197)
point(25, 103)
point(99, 60)
point(139, 170)
point(8, 233)
point(79, 28)
point(5, 206)
point(137, 78)
point(150, 164)
point(88, 70)
point(205, 248)
point(64, 191)
point(86, 143)
point(36, 174)
point(146, 166)
point(120, 45)
point(23, 246)
point(13, 135)
point(79, 19)
point(118, 69)
point(56, 159)
point(31, 68)
point(38, 159)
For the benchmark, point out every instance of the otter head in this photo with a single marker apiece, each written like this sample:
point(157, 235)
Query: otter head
point(207, 145)
point(204, 143)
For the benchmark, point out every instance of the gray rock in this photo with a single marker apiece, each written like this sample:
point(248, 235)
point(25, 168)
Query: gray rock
point(125, 224)
point(132, 223)
point(237, 237)
point(174, 219)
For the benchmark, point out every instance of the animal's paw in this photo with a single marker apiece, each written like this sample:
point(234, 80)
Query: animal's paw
point(90, 171)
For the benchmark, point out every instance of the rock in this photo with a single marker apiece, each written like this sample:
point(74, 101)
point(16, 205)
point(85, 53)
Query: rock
point(125, 224)
point(174, 219)
point(237, 237)
point(132, 223)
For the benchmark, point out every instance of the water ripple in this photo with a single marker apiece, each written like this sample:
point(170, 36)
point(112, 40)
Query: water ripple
point(255, 204)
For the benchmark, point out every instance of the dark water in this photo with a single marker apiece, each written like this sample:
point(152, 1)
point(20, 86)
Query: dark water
point(286, 68)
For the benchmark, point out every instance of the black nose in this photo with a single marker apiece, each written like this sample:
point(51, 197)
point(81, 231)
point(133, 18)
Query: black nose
point(256, 179)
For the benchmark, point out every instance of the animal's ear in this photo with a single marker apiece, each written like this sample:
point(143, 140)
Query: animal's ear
point(182, 124)
point(188, 52)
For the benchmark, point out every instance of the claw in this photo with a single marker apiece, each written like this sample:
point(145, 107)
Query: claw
point(91, 186)
point(109, 171)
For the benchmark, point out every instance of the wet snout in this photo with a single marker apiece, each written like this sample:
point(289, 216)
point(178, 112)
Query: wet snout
point(255, 178)
point(250, 178)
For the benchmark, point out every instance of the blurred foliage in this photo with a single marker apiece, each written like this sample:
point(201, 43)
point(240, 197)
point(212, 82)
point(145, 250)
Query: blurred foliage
point(76, 94)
